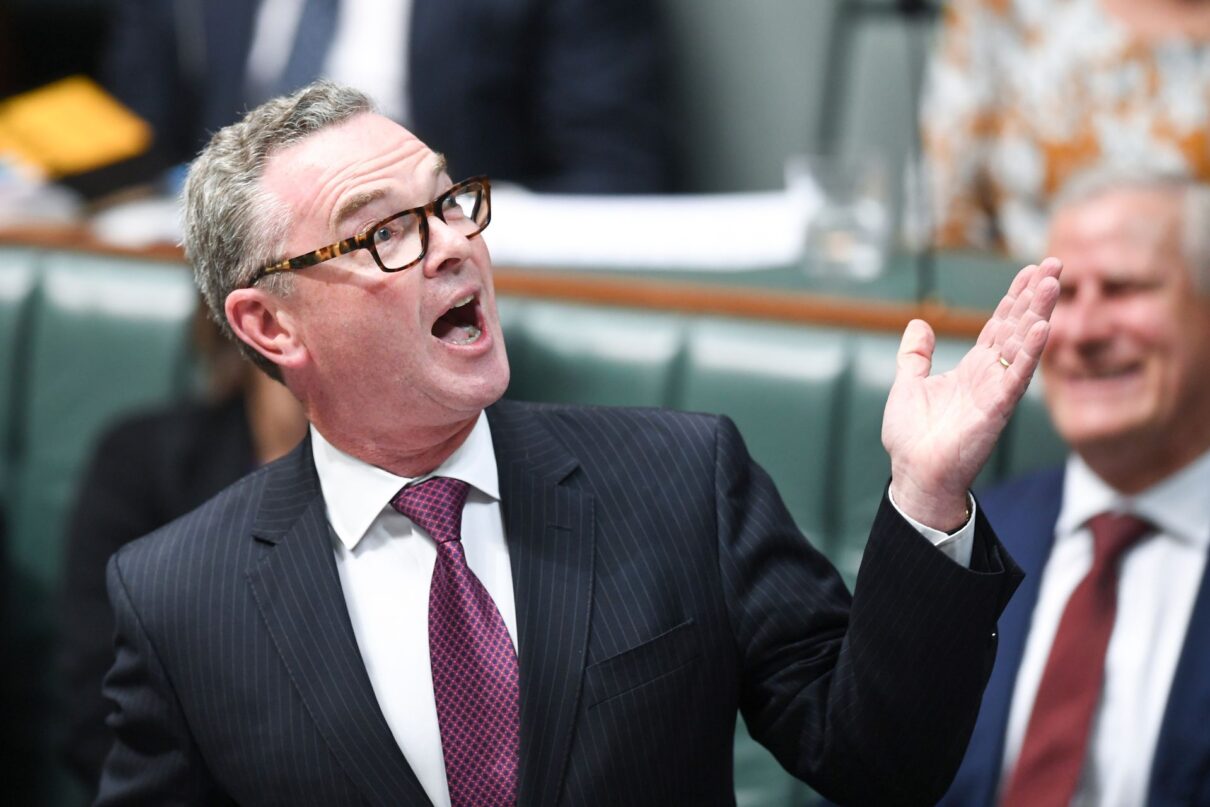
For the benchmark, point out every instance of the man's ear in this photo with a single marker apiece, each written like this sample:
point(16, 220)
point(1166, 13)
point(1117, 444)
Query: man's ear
point(262, 321)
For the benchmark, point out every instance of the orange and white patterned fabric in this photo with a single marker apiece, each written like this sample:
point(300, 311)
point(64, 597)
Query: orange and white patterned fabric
point(1024, 95)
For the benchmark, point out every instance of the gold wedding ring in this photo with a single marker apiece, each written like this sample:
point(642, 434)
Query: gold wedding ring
point(1005, 363)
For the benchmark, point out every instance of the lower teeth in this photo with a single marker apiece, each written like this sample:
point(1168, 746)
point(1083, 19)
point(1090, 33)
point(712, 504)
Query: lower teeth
point(470, 334)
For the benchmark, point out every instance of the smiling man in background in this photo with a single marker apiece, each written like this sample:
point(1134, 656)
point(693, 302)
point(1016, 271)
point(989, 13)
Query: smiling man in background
point(1101, 692)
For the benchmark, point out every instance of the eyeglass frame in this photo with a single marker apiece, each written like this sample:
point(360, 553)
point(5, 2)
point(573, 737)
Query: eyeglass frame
point(365, 238)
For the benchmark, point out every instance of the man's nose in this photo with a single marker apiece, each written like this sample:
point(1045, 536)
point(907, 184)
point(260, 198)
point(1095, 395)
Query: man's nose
point(1086, 318)
point(447, 249)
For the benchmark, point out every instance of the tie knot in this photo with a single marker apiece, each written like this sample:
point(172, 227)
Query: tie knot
point(436, 505)
point(1114, 533)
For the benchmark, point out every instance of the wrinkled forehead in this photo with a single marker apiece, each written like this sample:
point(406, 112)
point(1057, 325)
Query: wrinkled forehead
point(315, 177)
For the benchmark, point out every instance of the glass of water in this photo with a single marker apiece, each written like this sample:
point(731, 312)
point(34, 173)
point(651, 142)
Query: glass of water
point(847, 235)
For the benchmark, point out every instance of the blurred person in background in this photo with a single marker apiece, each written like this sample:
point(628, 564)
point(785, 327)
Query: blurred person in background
point(572, 89)
point(1024, 95)
point(147, 470)
point(1094, 702)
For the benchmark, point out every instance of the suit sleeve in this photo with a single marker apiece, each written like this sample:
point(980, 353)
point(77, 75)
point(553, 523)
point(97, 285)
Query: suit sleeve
point(154, 760)
point(871, 701)
point(599, 98)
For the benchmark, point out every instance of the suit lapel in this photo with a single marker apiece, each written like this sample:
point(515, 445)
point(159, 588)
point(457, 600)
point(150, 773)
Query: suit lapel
point(298, 592)
point(550, 532)
point(1028, 532)
point(1182, 754)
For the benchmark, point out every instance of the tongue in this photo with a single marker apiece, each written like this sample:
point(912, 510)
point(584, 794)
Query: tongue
point(450, 329)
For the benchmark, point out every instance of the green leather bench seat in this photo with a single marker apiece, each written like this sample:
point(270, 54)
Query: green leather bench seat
point(17, 278)
point(780, 386)
point(84, 338)
point(575, 354)
point(104, 336)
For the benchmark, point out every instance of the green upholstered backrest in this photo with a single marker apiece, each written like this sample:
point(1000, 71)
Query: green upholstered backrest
point(106, 335)
point(864, 468)
point(82, 339)
point(781, 386)
point(760, 780)
point(18, 267)
point(580, 354)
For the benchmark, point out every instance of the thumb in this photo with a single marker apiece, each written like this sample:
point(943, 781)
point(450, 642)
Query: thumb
point(915, 358)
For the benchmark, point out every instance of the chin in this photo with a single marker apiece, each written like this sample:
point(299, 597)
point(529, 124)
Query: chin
point(1094, 433)
point(484, 390)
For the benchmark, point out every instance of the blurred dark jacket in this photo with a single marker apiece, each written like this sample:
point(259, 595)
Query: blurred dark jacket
point(557, 95)
point(146, 471)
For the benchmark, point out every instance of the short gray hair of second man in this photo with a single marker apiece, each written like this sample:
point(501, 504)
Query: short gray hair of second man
point(1195, 207)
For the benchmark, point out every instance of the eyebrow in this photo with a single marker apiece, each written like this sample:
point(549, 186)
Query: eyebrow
point(359, 200)
point(354, 203)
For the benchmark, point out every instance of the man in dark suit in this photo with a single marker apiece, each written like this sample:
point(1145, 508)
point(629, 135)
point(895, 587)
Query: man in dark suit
point(572, 89)
point(1127, 373)
point(626, 579)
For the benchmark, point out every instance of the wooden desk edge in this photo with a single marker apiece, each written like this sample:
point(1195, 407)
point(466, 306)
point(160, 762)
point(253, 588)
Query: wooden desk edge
point(653, 294)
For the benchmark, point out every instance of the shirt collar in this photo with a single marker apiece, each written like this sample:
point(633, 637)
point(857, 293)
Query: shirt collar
point(356, 493)
point(1179, 505)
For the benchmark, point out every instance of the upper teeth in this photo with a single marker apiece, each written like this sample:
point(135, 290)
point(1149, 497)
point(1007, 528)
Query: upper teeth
point(464, 301)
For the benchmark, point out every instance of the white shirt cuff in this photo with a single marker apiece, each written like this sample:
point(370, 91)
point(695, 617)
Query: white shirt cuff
point(957, 547)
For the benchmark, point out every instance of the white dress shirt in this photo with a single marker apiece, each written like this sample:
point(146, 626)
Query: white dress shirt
point(1157, 586)
point(385, 563)
point(368, 50)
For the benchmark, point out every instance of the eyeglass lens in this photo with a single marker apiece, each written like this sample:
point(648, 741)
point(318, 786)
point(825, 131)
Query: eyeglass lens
point(399, 241)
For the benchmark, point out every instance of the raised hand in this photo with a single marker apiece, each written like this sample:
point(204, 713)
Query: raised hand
point(939, 430)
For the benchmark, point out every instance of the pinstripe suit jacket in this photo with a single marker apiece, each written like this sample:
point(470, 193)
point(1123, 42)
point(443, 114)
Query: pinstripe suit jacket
point(660, 585)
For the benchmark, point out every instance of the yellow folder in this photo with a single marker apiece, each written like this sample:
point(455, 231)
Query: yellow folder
point(68, 127)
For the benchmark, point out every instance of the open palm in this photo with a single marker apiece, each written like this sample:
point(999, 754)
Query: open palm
point(940, 429)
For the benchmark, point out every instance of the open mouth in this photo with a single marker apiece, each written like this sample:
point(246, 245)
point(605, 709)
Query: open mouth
point(461, 325)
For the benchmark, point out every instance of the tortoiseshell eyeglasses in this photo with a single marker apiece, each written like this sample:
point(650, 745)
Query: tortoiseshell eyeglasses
point(401, 240)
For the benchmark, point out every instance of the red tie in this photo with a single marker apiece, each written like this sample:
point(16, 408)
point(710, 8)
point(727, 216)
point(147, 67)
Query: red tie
point(1056, 740)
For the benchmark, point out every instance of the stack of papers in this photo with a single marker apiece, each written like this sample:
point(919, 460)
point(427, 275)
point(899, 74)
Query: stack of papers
point(714, 232)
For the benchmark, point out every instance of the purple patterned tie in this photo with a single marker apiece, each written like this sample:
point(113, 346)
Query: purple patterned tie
point(474, 663)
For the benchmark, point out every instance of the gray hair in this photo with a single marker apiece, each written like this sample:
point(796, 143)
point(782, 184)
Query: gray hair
point(1195, 206)
point(232, 225)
